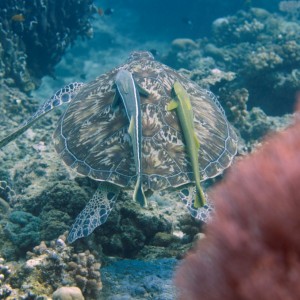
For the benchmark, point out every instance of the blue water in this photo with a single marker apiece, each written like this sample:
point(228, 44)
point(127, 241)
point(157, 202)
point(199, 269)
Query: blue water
point(154, 19)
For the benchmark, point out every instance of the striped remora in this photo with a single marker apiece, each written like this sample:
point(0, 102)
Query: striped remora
point(128, 92)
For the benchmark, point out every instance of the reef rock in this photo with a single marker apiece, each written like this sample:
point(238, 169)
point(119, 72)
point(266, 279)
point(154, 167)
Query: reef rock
point(68, 293)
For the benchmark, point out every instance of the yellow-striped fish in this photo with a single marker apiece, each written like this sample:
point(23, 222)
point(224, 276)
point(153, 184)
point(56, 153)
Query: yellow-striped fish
point(183, 106)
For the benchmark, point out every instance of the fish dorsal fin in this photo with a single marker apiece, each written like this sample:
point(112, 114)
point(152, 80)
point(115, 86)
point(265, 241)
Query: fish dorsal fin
point(172, 105)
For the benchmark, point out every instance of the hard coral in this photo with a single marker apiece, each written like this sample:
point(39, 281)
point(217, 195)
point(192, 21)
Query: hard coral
point(48, 268)
point(252, 249)
point(5, 271)
point(62, 266)
point(23, 230)
point(35, 34)
point(68, 293)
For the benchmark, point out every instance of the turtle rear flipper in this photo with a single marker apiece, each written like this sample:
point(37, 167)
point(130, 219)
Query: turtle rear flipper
point(204, 213)
point(64, 95)
point(95, 212)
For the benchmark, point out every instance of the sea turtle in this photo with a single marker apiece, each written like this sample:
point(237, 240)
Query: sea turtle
point(92, 137)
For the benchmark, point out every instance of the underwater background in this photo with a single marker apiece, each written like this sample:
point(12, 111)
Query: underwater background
point(245, 52)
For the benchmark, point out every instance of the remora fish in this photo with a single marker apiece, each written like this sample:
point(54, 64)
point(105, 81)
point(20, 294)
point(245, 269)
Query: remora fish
point(186, 117)
point(127, 90)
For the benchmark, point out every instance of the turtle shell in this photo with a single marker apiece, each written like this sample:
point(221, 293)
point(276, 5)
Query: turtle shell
point(92, 137)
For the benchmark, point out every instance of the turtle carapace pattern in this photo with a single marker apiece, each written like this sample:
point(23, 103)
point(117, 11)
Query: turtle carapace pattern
point(92, 136)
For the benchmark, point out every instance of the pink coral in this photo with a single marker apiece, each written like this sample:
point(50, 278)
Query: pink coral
point(252, 248)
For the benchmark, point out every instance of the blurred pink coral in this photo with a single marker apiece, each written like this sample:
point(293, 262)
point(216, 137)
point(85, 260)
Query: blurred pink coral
point(252, 248)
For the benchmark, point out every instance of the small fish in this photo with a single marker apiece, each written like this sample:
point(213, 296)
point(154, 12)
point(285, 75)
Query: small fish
point(127, 90)
point(186, 117)
point(18, 18)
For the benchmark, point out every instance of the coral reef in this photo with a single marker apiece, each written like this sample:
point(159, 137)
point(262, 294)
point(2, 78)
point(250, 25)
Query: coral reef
point(251, 61)
point(129, 229)
point(243, 27)
point(22, 229)
point(5, 271)
point(292, 8)
point(247, 38)
point(133, 232)
point(48, 268)
point(34, 36)
point(6, 194)
point(252, 249)
point(236, 104)
point(62, 266)
point(68, 293)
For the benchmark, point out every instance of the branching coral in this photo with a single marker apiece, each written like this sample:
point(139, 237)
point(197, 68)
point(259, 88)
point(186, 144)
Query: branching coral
point(252, 249)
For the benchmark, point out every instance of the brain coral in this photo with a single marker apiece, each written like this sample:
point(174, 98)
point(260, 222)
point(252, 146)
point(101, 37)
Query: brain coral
point(252, 248)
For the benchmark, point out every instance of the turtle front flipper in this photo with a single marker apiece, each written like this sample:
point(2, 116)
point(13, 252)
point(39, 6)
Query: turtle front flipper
point(95, 212)
point(204, 213)
point(64, 95)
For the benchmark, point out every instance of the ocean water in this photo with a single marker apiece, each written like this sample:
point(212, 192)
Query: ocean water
point(237, 60)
